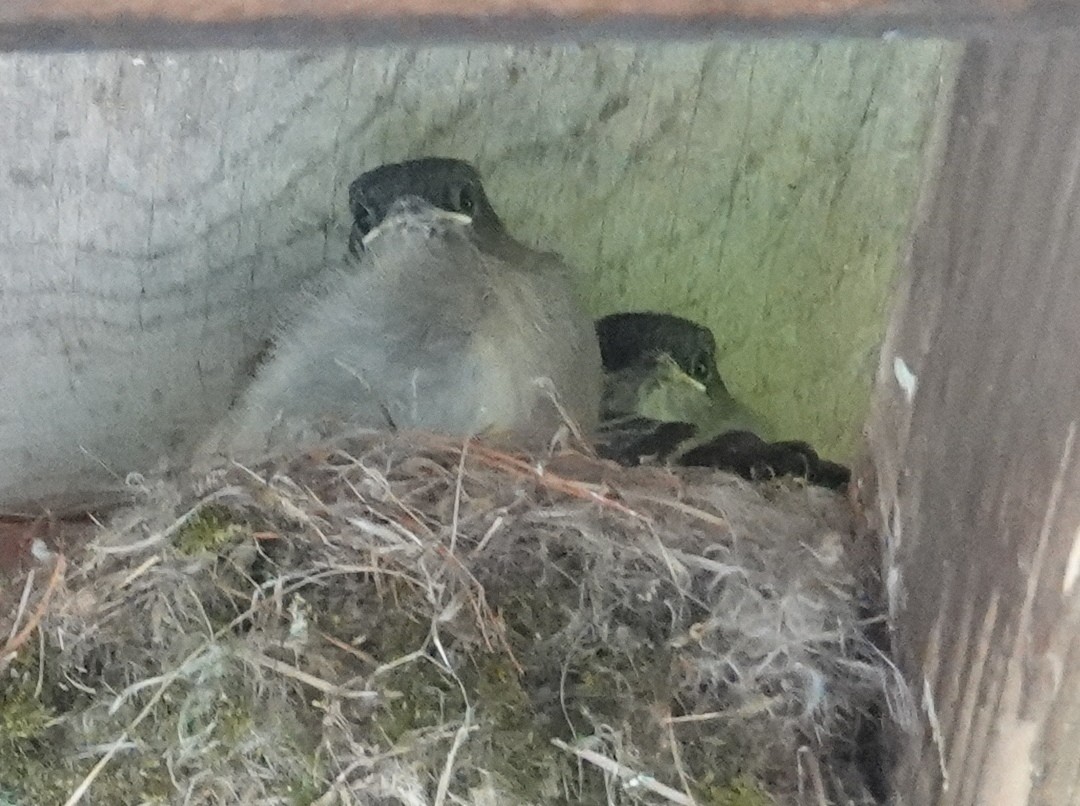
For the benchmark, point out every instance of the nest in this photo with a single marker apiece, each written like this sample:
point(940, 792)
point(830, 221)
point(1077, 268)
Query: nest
point(403, 619)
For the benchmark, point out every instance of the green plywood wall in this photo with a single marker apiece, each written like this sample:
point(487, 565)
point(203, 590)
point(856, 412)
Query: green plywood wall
point(765, 189)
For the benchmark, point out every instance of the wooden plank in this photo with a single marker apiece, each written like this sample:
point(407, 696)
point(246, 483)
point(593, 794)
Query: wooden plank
point(978, 473)
point(256, 10)
point(35, 24)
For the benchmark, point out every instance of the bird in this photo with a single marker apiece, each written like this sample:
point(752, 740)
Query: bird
point(628, 337)
point(664, 399)
point(663, 367)
point(446, 323)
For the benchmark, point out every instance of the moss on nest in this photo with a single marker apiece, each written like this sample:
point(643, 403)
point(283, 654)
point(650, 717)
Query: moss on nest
point(393, 621)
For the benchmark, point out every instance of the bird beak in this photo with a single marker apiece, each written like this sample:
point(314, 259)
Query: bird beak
point(398, 218)
point(674, 373)
point(695, 384)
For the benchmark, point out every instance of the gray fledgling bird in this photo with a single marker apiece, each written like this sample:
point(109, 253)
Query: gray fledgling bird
point(448, 325)
point(664, 399)
point(663, 367)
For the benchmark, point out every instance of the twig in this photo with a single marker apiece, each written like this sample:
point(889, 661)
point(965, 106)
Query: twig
point(332, 794)
point(630, 778)
point(460, 482)
point(357, 653)
point(41, 665)
point(170, 530)
point(341, 780)
point(140, 570)
point(676, 757)
point(756, 706)
point(316, 683)
point(462, 733)
point(496, 525)
point(548, 387)
point(380, 479)
point(482, 611)
point(683, 507)
point(813, 772)
point(24, 600)
point(521, 468)
point(460, 736)
point(12, 645)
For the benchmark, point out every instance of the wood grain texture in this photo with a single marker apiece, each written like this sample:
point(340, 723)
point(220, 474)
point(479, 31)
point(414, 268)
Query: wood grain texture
point(978, 473)
point(162, 209)
point(255, 10)
point(30, 24)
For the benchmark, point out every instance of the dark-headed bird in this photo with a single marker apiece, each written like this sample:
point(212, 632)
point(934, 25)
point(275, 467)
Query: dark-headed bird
point(664, 399)
point(448, 324)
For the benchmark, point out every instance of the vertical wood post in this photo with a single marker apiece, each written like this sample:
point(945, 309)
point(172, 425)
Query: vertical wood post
point(978, 461)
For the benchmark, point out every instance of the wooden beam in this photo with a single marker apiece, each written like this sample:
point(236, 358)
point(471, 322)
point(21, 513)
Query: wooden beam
point(978, 468)
point(65, 24)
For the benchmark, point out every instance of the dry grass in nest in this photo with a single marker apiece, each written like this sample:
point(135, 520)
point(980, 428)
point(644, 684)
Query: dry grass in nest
point(401, 620)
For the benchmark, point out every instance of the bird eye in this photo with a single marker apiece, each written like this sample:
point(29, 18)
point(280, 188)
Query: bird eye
point(700, 370)
point(363, 221)
point(466, 202)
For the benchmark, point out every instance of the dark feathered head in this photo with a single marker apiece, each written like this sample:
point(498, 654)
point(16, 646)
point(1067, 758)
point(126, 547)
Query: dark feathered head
point(449, 184)
point(635, 337)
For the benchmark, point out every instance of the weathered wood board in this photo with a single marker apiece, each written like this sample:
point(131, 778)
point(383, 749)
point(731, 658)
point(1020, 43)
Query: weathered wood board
point(975, 440)
point(159, 210)
point(29, 24)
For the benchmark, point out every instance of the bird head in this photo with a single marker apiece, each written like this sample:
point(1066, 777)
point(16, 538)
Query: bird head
point(412, 216)
point(450, 185)
point(630, 338)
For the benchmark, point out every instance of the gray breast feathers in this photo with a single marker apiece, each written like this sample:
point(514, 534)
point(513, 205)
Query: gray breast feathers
point(434, 331)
